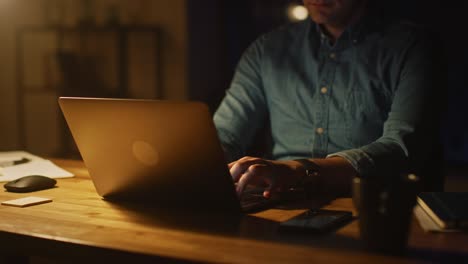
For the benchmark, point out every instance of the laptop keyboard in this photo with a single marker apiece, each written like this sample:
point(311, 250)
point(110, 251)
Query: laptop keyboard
point(253, 201)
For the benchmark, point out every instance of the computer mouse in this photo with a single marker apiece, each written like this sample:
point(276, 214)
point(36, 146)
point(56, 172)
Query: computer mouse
point(30, 183)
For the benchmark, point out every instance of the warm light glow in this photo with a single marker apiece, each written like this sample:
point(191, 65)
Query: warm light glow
point(413, 177)
point(297, 12)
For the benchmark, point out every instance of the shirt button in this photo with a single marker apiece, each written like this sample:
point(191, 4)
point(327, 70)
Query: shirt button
point(319, 130)
point(324, 90)
point(333, 55)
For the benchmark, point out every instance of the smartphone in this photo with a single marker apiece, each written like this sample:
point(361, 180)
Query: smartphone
point(316, 221)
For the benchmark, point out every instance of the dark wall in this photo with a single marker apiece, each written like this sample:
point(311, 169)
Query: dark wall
point(449, 20)
point(219, 31)
point(208, 71)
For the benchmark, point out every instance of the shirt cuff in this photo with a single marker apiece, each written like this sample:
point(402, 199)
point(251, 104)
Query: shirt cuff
point(359, 159)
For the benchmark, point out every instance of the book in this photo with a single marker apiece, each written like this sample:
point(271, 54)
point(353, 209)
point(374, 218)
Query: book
point(427, 223)
point(447, 209)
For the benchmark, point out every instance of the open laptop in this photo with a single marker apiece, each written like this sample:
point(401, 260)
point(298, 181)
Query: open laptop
point(163, 152)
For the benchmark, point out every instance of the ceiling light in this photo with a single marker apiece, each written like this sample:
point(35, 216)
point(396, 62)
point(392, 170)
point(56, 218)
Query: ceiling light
point(297, 12)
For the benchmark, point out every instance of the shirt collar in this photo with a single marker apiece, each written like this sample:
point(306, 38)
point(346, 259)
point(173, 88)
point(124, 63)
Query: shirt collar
point(353, 34)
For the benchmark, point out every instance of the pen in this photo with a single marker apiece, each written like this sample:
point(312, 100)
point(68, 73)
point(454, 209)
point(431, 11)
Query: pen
point(8, 163)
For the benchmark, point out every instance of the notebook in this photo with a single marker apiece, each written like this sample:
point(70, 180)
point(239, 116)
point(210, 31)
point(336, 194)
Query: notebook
point(162, 152)
point(447, 209)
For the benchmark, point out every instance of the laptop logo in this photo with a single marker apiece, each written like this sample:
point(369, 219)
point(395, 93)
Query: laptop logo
point(145, 153)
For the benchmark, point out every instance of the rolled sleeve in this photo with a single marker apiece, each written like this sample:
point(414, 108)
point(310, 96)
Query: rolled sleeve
point(360, 161)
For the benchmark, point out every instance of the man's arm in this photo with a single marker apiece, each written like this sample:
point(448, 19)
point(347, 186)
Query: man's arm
point(334, 175)
point(243, 110)
point(411, 127)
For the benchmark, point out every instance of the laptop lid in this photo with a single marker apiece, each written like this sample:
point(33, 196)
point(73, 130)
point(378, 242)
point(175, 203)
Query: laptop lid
point(164, 152)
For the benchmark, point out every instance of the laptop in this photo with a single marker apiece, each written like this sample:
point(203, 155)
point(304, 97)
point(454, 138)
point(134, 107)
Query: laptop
point(166, 153)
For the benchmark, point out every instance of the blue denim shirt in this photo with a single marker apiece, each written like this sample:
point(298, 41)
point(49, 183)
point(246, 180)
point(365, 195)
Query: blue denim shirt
point(360, 98)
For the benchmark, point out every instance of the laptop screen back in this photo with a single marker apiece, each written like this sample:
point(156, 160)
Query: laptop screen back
point(164, 152)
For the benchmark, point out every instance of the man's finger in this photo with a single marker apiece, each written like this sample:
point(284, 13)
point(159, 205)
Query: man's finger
point(231, 164)
point(242, 165)
point(253, 173)
point(273, 187)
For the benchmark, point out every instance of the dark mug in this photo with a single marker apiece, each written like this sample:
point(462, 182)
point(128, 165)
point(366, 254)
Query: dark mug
point(385, 208)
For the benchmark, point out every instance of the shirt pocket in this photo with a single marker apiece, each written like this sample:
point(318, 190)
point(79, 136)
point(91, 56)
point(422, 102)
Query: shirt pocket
point(367, 109)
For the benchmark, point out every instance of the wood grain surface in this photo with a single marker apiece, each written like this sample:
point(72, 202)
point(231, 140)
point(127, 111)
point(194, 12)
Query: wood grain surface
point(80, 226)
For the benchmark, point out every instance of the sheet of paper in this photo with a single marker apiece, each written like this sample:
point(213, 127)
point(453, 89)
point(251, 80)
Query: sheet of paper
point(36, 166)
point(17, 155)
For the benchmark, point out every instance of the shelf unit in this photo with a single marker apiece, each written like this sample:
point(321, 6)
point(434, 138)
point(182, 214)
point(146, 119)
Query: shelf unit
point(55, 61)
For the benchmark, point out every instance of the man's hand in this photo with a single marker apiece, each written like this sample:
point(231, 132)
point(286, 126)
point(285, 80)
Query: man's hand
point(336, 174)
point(275, 175)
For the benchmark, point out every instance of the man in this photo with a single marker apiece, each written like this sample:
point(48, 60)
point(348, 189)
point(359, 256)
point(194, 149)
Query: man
point(345, 94)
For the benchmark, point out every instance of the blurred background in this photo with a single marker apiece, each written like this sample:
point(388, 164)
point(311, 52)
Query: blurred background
point(159, 49)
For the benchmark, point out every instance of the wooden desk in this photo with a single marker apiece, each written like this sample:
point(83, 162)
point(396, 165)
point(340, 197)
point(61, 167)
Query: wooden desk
point(79, 226)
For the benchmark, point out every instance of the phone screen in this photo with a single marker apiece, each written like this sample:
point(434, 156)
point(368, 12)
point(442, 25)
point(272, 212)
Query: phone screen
point(316, 220)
